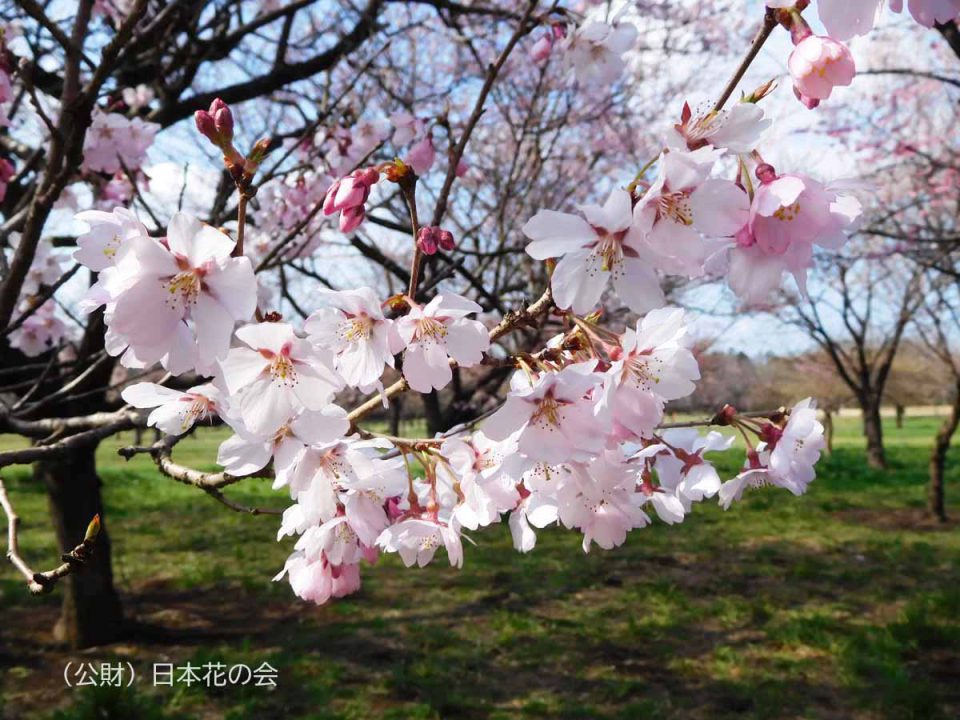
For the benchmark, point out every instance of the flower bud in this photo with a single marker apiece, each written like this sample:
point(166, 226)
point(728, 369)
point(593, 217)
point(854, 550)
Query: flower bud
point(445, 240)
point(351, 218)
point(223, 120)
point(206, 125)
point(427, 240)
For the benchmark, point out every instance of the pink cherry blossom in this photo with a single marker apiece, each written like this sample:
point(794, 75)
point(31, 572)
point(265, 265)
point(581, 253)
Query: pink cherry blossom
point(789, 215)
point(417, 540)
point(176, 410)
point(434, 334)
point(737, 129)
point(787, 461)
point(555, 416)
point(654, 365)
point(818, 64)
point(275, 374)
point(347, 197)
point(97, 248)
point(595, 251)
point(422, 156)
point(245, 452)
point(601, 500)
point(190, 276)
point(595, 51)
point(929, 12)
point(114, 141)
point(685, 208)
point(353, 327)
point(40, 332)
point(318, 581)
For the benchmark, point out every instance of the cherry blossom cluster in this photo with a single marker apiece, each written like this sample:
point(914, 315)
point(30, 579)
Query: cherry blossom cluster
point(579, 440)
point(38, 326)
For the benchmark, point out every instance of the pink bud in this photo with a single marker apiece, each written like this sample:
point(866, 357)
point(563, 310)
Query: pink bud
point(427, 240)
point(445, 240)
point(206, 125)
point(462, 168)
point(350, 194)
point(351, 218)
point(766, 173)
point(223, 119)
point(369, 177)
point(541, 49)
point(329, 200)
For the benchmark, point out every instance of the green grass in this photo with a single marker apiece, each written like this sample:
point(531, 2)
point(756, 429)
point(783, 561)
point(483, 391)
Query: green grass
point(843, 603)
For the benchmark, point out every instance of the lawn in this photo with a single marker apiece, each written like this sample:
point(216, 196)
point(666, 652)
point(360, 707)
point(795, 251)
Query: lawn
point(844, 603)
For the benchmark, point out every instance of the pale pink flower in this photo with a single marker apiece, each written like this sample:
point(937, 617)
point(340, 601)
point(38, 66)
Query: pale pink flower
point(434, 334)
point(681, 468)
point(97, 248)
point(654, 365)
point(789, 215)
point(555, 416)
point(276, 374)
point(347, 197)
point(685, 209)
point(819, 64)
point(176, 410)
point(787, 461)
point(595, 251)
point(189, 276)
point(601, 500)
point(353, 328)
point(245, 453)
point(407, 128)
point(318, 581)
point(929, 12)
point(40, 332)
point(737, 129)
point(113, 141)
point(595, 51)
point(417, 540)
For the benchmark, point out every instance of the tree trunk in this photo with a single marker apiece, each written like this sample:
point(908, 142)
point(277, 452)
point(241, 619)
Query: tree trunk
point(873, 432)
point(91, 612)
point(901, 411)
point(936, 503)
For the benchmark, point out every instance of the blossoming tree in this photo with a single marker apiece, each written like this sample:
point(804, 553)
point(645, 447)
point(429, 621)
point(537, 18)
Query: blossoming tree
point(421, 190)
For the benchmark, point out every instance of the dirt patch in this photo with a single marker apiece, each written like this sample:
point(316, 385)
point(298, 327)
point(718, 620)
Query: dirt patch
point(896, 519)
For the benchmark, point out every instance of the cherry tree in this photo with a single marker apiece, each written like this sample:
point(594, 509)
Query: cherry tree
point(392, 195)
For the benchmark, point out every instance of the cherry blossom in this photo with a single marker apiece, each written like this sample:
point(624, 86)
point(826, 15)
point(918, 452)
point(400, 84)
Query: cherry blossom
point(600, 499)
point(114, 141)
point(347, 197)
point(654, 365)
point(789, 215)
point(39, 332)
point(595, 249)
point(436, 333)
point(97, 248)
point(555, 415)
point(595, 51)
point(737, 129)
point(188, 276)
point(245, 452)
point(416, 540)
point(318, 581)
point(275, 374)
point(819, 64)
point(785, 459)
point(683, 206)
point(929, 12)
point(353, 327)
point(176, 410)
